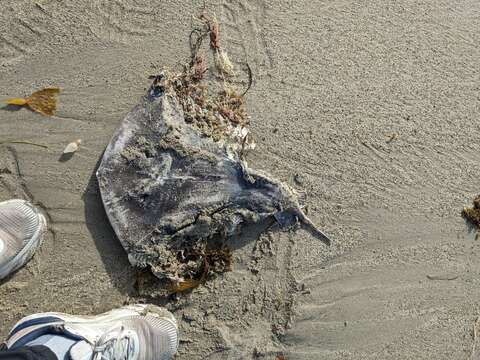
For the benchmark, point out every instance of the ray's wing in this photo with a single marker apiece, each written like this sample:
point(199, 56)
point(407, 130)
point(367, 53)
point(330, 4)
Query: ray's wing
point(151, 184)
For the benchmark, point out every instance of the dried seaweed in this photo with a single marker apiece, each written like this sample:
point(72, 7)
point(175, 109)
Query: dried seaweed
point(473, 214)
point(24, 142)
point(215, 261)
point(214, 111)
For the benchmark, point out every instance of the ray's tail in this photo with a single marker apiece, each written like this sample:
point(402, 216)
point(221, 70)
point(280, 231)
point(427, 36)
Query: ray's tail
point(311, 227)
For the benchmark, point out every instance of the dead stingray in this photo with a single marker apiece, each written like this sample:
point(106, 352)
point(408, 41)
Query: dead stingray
point(174, 181)
point(171, 192)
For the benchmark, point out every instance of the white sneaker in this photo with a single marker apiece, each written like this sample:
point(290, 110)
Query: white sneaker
point(135, 332)
point(21, 233)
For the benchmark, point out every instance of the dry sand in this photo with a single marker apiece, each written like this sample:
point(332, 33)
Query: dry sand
point(370, 107)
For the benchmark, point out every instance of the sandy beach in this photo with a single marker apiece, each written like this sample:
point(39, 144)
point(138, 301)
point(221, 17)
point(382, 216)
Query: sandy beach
point(370, 108)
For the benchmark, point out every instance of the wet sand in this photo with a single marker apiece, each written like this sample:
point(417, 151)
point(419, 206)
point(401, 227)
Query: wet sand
point(371, 109)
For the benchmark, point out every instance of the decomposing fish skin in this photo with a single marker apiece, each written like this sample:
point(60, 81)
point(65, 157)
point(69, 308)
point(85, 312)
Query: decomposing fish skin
point(170, 192)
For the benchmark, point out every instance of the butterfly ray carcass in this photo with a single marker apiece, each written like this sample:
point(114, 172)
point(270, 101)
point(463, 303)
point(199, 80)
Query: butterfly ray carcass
point(168, 189)
point(175, 184)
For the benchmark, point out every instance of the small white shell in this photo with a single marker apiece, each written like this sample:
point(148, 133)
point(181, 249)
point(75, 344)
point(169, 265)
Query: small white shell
point(72, 147)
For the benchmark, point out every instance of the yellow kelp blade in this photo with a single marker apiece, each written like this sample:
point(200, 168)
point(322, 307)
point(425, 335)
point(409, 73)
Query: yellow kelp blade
point(16, 101)
point(43, 101)
point(184, 285)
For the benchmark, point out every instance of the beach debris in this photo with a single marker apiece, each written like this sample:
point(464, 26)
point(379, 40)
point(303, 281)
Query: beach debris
point(40, 6)
point(476, 325)
point(174, 180)
point(24, 142)
point(442, 277)
point(222, 61)
point(472, 214)
point(43, 101)
point(391, 138)
point(214, 261)
point(213, 30)
point(299, 179)
point(72, 147)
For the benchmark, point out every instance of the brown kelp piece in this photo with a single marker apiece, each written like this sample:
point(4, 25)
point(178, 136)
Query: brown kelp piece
point(222, 61)
point(215, 261)
point(43, 101)
point(213, 30)
point(473, 214)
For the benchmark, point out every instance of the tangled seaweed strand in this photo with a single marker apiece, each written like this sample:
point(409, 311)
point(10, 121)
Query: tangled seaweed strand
point(214, 261)
point(214, 114)
point(473, 214)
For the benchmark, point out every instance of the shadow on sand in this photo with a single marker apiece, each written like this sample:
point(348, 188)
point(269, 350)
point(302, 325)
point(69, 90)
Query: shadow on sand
point(114, 257)
point(68, 156)
point(11, 108)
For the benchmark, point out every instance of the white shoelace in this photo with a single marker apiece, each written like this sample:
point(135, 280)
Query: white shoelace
point(117, 344)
